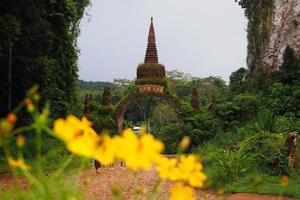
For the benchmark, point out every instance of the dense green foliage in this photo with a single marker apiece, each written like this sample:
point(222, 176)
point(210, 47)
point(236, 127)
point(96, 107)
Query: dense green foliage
point(289, 71)
point(238, 79)
point(240, 128)
point(267, 152)
point(238, 110)
point(249, 153)
point(38, 46)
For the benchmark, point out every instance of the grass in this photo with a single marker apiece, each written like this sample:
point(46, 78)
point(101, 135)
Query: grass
point(269, 185)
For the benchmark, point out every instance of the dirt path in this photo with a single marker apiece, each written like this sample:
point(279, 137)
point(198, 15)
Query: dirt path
point(98, 186)
point(133, 186)
point(8, 181)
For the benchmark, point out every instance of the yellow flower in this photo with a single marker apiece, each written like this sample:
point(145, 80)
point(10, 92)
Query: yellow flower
point(11, 118)
point(284, 181)
point(138, 152)
point(20, 141)
point(71, 128)
point(106, 151)
point(7, 124)
point(78, 135)
point(5, 127)
point(167, 169)
point(84, 144)
point(184, 143)
point(18, 163)
point(191, 168)
point(29, 105)
point(181, 192)
point(186, 169)
point(220, 191)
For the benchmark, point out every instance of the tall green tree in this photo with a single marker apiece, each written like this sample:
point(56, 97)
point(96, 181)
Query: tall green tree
point(289, 71)
point(38, 46)
point(237, 83)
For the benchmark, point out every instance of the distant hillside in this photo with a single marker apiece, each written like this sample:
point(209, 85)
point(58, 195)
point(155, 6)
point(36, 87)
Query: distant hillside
point(94, 86)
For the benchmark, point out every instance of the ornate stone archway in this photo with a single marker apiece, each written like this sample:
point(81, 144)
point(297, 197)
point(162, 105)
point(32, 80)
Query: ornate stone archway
point(150, 81)
point(123, 107)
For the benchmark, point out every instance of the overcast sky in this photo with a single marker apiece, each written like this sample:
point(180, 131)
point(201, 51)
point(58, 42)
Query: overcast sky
point(199, 37)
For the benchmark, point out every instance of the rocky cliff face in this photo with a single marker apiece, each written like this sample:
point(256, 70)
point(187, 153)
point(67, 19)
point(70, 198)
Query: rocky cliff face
point(285, 32)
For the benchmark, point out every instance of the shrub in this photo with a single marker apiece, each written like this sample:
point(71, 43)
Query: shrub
point(205, 127)
point(283, 99)
point(267, 151)
point(287, 124)
point(237, 111)
point(171, 136)
point(232, 165)
point(237, 82)
point(264, 121)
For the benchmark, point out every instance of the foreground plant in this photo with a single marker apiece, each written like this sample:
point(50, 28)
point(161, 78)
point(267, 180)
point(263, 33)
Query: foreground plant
point(139, 152)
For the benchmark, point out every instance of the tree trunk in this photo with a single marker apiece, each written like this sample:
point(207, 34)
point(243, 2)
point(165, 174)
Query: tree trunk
point(9, 78)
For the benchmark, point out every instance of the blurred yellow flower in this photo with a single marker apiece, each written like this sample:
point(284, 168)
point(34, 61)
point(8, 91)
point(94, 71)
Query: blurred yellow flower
point(106, 150)
point(190, 169)
point(138, 152)
point(29, 105)
point(20, 140)
point(184, 143)
point(220, 191)
point(78, 135)
point(5, 127)
point(7, 124)
point(181, 192)
point(71, 128)
point(167, 169)
point(11, 118)
point(84, 144)
point(18, 163)
point(284, 181)
point(187, 169)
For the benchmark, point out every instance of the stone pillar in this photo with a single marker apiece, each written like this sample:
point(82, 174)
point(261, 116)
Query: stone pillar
point(87, 106)
point(291, 146)
point(195, 102)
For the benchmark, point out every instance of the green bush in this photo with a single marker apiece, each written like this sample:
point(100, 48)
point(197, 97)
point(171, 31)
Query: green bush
point(238, 111)
point(284, 100)
point(238, 81)
point(264, 121)
point(267, 152)
point(287, 124)
point(205, 127)
point(230, 166)
point(170, 135)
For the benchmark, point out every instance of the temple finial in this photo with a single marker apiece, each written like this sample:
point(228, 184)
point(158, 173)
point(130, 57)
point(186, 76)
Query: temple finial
point(151, 53)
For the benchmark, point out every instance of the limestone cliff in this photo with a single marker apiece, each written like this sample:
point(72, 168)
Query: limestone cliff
point(272, 26)
point(285, 32)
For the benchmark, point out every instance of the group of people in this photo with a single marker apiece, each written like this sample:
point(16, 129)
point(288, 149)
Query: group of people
point(98, 165)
